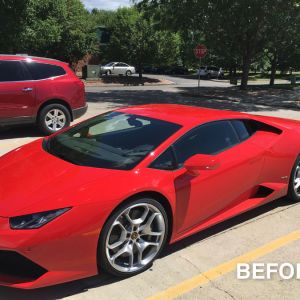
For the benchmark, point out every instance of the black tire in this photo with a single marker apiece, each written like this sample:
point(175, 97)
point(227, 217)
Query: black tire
point(291, 191)
point(128, 73)
point(42, 118)
point(103, 263)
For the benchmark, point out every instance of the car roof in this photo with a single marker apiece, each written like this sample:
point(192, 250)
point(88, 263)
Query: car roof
point(188, 116)
point(35, 58)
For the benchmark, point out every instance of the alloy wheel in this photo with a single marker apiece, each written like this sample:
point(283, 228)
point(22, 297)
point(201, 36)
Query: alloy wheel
point(297, 180)
point(55, 119)
point(135, 237)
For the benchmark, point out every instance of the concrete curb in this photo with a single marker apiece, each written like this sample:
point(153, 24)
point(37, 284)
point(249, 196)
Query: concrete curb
point(87, 84)
point(290, 105)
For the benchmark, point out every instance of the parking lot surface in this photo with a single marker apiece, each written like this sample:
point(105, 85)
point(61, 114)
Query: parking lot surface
point(202, 266)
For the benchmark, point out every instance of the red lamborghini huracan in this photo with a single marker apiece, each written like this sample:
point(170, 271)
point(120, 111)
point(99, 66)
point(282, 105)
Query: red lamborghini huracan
point(109, 193)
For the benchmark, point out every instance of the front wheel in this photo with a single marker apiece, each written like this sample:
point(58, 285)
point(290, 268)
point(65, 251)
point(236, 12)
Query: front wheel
point(128, 73)
point(53, 118)
point(133, 237)
point(294, 184)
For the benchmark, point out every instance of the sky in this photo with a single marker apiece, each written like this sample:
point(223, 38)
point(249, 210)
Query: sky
point(105, 4)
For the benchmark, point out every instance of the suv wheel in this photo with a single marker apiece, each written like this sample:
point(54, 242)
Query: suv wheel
point(53, 118)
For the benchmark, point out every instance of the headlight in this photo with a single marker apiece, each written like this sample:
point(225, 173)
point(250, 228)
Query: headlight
point(35, 220)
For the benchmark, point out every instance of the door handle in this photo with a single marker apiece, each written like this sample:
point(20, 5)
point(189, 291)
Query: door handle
point(27, 90)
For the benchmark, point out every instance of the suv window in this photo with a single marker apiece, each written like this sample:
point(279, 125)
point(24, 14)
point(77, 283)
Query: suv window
point(12, 71)
point(40, 71)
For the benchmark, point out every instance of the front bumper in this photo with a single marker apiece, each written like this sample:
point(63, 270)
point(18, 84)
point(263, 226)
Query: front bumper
point(59, 252)
point(15, 268)
point(79, 112)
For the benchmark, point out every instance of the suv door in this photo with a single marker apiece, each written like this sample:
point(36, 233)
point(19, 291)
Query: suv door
point(17, 92)
point(201, 197)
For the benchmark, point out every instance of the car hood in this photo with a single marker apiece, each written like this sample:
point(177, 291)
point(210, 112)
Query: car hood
point(32, 180)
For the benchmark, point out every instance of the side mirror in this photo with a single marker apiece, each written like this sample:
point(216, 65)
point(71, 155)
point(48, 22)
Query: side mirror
point(200, 162)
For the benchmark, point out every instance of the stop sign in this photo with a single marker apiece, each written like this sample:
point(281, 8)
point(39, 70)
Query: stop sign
point(200, 51)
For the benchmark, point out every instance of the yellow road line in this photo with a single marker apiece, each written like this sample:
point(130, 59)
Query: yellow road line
point(222, 269)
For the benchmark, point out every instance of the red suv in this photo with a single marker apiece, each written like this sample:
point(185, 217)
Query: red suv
point(41, 91)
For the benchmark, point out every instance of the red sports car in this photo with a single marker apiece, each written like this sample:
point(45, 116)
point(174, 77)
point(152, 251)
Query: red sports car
point(109, 193)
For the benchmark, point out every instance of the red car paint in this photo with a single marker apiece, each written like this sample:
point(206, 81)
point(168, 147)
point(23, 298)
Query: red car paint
point(31, 180)
point(18, 106)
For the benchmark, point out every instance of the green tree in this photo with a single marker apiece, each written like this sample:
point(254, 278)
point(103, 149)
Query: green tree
point(12, 18)
point(100, 17)
point(178, 17)
point(236, 32)
point(134, 40)
point(167, 47)
point(57, 28)
point(283, 35)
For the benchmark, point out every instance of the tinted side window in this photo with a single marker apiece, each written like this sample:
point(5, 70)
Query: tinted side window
point(165, 161)
point(43, 71)
point(241, 129)
point(207, 139)
point(12, 71)
point(244, 128)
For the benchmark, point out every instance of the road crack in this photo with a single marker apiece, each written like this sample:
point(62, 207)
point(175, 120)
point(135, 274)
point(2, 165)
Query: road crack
point(214, 285)
point(190, 262)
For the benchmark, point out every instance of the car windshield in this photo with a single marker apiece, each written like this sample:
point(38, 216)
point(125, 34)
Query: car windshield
point(113, 140)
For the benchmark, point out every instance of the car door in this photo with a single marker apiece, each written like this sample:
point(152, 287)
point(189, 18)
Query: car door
point(125, 68)
point(236, 178)
point(119, 69)
point(214, 72)
point(17, 93)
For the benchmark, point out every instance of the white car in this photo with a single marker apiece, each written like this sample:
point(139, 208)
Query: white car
point(211, 72)
point(117, 68)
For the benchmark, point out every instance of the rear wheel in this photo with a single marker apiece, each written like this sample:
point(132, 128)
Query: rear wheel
point(53, 118)
point(133, 237)
point(294, 184)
